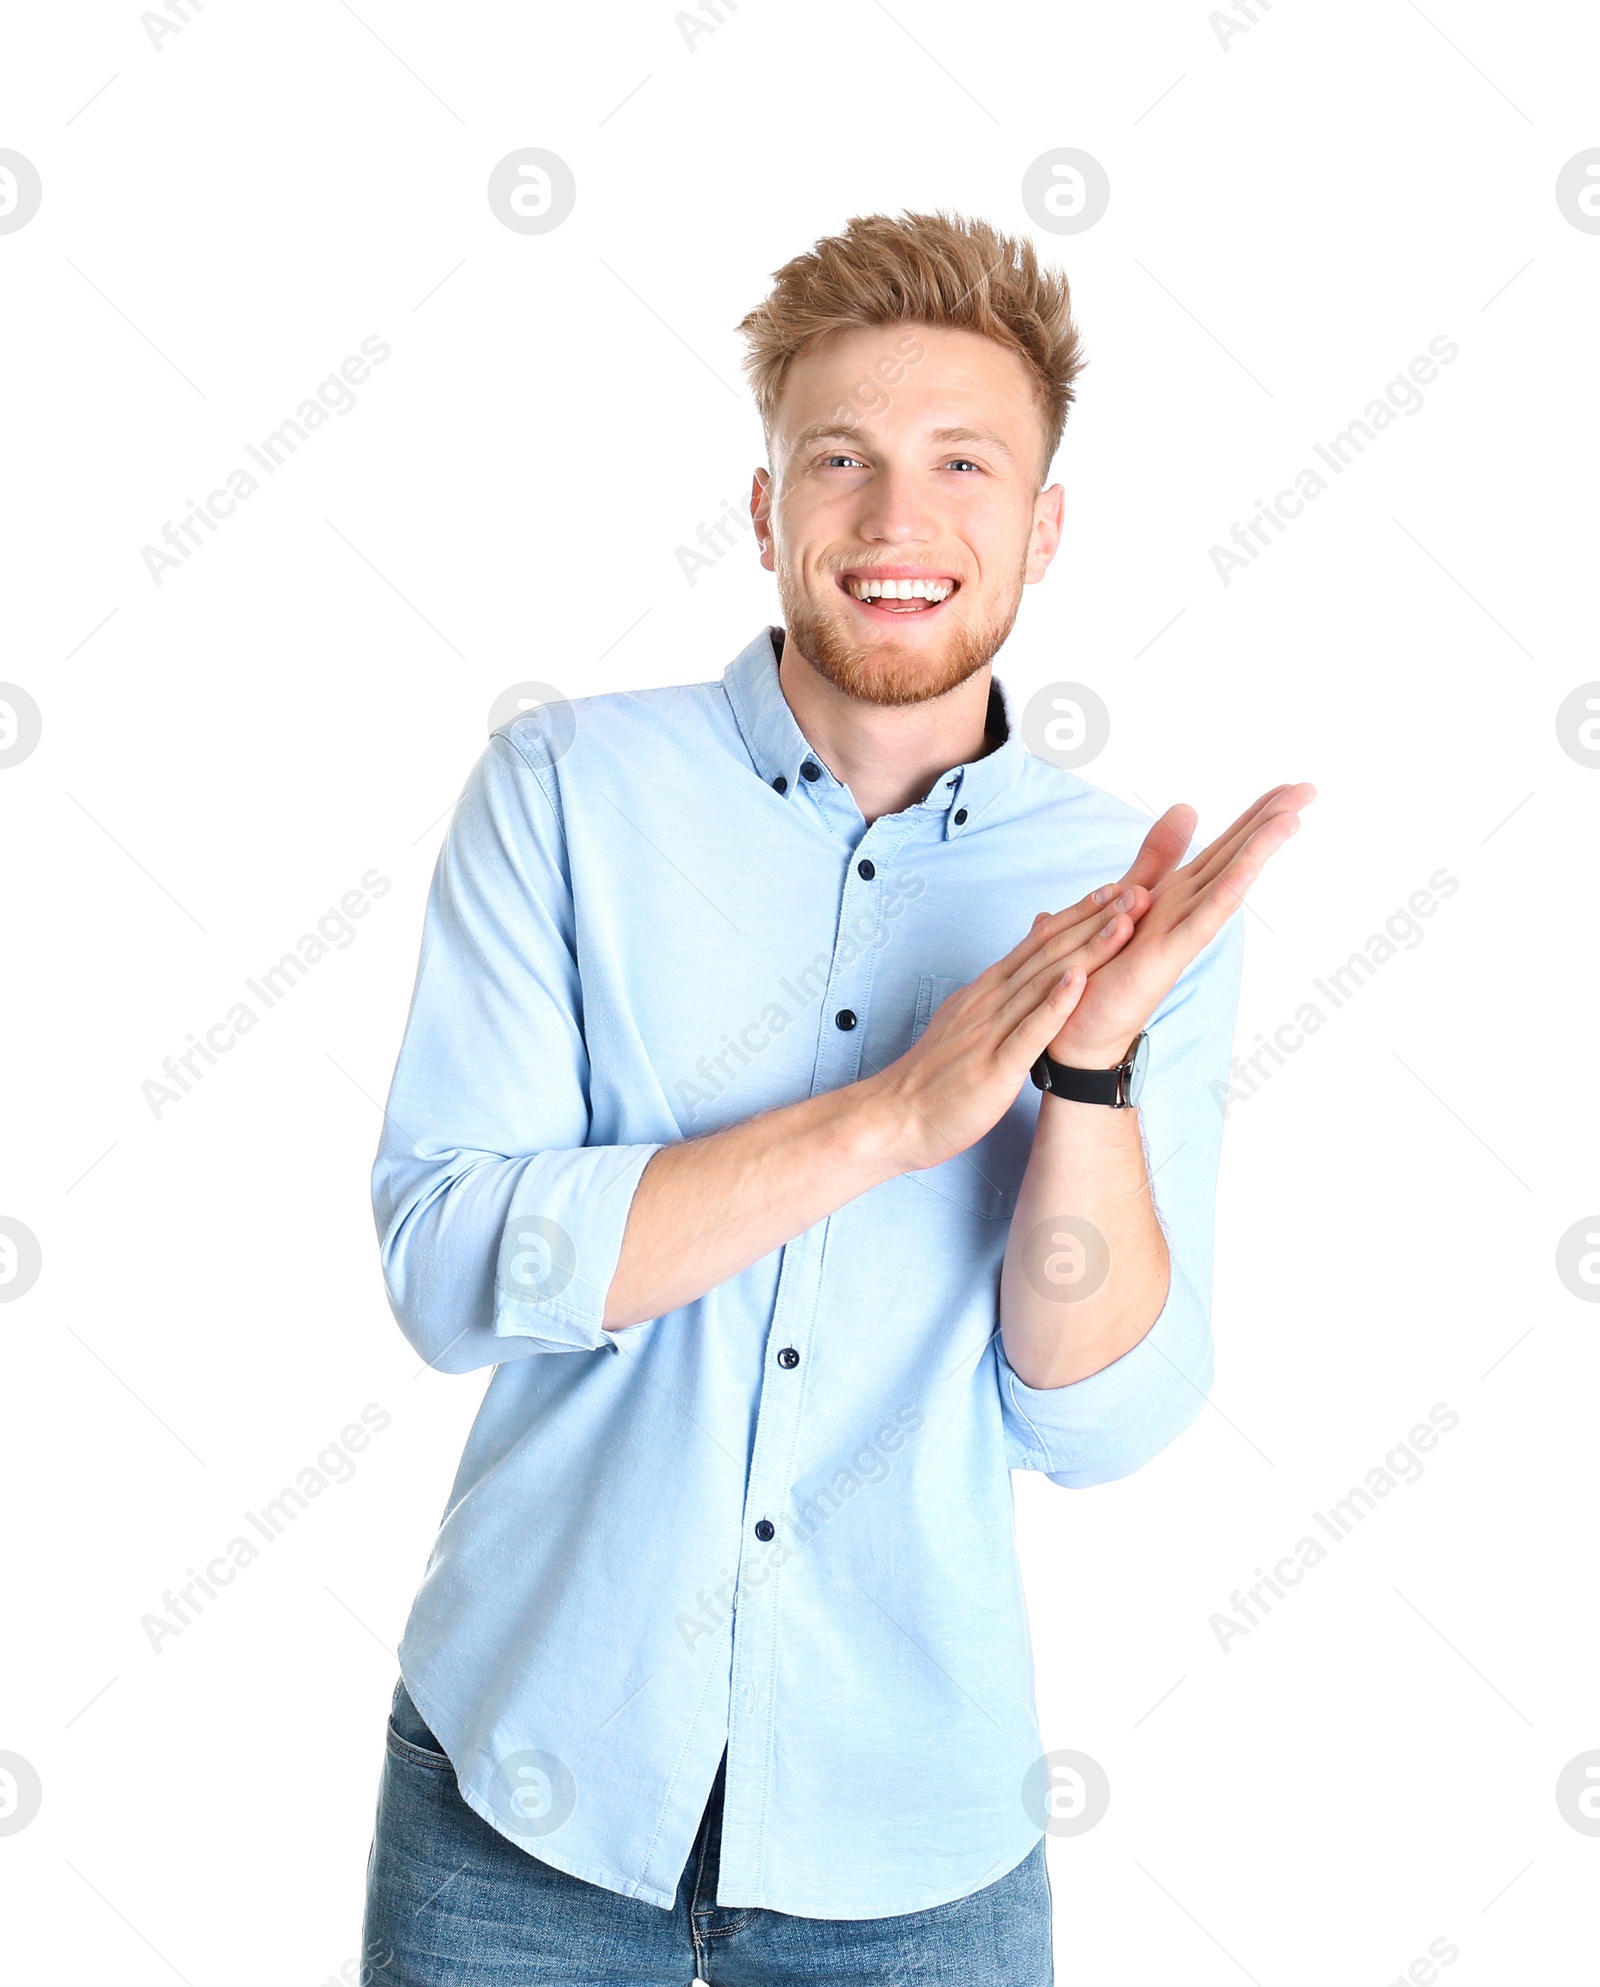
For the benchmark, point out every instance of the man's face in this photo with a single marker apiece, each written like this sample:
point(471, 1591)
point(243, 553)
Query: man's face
point(909, 454)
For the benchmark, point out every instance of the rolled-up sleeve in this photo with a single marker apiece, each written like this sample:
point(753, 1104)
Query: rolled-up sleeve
point(1114, 1421)
point(499, 1224)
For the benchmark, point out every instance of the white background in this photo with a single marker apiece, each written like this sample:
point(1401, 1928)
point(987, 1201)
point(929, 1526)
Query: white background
point(1293, 217)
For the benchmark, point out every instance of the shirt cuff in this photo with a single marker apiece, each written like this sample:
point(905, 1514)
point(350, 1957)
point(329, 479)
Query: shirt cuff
point(1113, 1422)
point(560, 1245)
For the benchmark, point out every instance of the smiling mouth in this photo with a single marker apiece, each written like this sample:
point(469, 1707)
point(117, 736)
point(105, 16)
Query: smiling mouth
point(897, 596)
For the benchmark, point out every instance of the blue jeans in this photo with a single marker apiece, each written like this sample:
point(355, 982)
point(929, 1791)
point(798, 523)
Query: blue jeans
point(453, 1903)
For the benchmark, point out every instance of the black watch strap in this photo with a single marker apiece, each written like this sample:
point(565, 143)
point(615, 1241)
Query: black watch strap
point(1083, 1086)
point(1118, 1087)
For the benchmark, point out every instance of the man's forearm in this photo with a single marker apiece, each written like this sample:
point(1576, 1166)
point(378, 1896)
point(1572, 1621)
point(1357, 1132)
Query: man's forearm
point(1086, 1184)
point(708, 1208)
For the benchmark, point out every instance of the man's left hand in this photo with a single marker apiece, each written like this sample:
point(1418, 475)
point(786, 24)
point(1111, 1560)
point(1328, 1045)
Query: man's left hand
point(1176, 914)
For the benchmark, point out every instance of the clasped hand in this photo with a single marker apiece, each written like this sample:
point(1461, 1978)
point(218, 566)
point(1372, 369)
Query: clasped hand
point(1082, 984)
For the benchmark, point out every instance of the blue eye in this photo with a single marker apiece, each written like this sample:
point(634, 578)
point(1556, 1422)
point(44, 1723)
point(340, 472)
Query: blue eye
point(965, 460)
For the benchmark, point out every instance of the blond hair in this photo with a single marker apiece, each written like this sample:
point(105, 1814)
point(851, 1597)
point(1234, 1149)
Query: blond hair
point(938, 269)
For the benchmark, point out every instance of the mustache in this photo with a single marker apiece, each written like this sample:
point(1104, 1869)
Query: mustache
point(867, 567)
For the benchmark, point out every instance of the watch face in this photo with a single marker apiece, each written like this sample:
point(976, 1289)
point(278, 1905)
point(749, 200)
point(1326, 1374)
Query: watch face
point(1136, 1064)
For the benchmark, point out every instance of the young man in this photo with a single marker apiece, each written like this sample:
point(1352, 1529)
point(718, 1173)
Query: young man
point(712, 1134)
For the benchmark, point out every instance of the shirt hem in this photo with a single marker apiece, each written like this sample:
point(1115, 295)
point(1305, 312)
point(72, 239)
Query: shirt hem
point(599, 1874)
point(742, 1898)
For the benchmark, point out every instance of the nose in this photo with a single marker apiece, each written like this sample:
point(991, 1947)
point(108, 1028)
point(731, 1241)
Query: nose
point(895, 510)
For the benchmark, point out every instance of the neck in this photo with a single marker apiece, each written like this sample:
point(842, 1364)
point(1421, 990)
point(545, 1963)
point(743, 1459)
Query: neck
point(888, 755)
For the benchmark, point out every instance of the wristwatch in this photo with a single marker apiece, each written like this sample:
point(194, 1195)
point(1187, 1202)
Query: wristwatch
point(1117, 1087)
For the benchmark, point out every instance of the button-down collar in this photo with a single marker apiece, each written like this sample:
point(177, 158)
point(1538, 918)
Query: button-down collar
point(779, 748)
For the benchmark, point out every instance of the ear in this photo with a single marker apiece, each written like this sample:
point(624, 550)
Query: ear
point(761, 514)
point(1044, 540)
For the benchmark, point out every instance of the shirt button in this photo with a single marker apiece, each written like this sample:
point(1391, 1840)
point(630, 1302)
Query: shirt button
point(788, 1357)
point(961, 815)
point(765, 1530)
point(811, 770)
point(780, 784)
point(866, 869)
point(845, 1018)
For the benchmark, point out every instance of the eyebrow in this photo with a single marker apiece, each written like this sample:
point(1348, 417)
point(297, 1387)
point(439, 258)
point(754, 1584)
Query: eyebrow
point(972, 435)
point(831, 431)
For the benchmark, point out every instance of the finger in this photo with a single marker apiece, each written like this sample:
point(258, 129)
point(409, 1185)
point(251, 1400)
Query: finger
point(1175, 945)
point(1280, 801)
point(1226, 891)
point(1162, 848)
point(1054, 934)
point(1035, 984)
point(1062, 936)
point(1227, 845)
point(1036, 1029)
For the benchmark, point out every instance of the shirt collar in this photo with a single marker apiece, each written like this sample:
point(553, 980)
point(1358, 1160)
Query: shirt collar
point(779, 749)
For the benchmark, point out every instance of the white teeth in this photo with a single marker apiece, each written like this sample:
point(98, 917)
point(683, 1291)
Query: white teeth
point(933, 591)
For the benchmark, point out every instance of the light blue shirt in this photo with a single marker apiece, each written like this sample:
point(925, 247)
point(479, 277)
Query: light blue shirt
point(653, 915)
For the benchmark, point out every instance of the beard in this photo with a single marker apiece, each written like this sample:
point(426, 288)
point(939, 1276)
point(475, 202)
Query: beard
point(888, 671)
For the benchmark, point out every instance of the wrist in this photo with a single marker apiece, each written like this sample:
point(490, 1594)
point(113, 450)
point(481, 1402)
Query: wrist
point(873, 1128)
point(1087, 1054)
point(1114, 1080)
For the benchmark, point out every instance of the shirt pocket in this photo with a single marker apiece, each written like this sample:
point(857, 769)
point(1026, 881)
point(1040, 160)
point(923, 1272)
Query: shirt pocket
point(985, 1178)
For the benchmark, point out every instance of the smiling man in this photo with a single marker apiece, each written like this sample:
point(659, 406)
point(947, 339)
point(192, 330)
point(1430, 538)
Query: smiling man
point(713, 1136)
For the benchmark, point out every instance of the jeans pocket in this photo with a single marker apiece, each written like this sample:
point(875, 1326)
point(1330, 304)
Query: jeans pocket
point(409, 1737)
